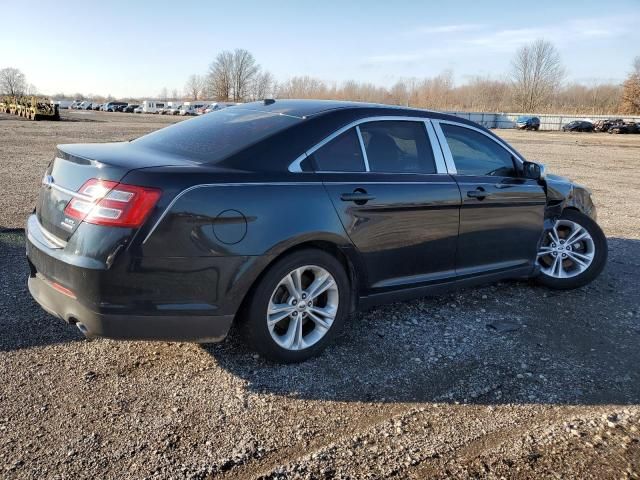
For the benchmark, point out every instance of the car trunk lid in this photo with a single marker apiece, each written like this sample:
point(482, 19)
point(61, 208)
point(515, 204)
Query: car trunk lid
point(74, 165)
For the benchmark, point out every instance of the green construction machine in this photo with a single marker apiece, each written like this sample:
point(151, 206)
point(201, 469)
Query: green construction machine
point(32, 107)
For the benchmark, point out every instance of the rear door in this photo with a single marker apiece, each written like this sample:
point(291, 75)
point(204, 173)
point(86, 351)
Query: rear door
point(395, 200)
point(502, 214)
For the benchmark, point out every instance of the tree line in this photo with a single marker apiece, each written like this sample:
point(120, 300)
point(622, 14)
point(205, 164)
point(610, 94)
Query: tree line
point(535, 82)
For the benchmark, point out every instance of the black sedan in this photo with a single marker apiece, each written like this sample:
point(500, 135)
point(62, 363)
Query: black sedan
point(283, 217)
point(578, 126)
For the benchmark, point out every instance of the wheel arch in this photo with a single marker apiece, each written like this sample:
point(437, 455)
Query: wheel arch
point(346, 255)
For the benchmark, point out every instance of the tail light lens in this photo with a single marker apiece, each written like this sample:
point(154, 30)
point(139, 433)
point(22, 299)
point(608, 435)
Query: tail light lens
point(112, 203)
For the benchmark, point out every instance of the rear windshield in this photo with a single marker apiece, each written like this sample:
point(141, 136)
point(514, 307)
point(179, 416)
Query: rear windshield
point(216, 135)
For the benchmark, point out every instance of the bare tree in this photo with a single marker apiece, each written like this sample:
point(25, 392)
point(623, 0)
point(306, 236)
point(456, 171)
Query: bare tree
point(194, 88)
point(244, 71)
point(536, 73)
point(630, 102)
point(12, 82)
point(163, 94)
point(263, 86)
point(174, 94)
point(220, 77)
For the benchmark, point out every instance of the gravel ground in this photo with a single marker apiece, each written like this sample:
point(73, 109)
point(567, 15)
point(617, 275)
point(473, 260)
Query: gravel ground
point(509, 380)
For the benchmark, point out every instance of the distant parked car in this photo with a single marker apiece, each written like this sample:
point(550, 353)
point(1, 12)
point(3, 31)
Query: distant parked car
point(174, 110)
point(112, 106)
point(138, 109)
point(85, 105)
point(578, 126)
point(120, 108)
point(96, 106)
point(630, 127)
point(130, 108)
point(74, 105)
point(526, 122)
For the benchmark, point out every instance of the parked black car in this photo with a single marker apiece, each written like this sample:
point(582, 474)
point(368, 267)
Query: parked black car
point(286, 216)
point(113, 106)
point(130, 108)
point(526, 122)
point(578, 126)
point(627, 127)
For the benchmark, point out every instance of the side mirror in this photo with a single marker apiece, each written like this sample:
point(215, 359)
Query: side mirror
point(533, 170)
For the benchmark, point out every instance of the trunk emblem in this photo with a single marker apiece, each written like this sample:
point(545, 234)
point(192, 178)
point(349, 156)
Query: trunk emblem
point(47, 181)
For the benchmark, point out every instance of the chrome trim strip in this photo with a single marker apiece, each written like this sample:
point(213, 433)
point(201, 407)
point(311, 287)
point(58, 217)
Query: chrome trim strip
point(294, 167)
point(71, 193)
point(441, 166)
point(444, 146)
point(364, 150)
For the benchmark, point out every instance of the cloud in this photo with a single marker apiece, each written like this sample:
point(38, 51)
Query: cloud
point(439, 29)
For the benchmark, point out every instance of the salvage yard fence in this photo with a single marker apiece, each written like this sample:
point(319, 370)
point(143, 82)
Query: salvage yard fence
point(548, 121)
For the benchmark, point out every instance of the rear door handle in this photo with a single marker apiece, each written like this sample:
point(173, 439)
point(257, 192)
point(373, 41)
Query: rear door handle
point(357, 196)
point(479, 193)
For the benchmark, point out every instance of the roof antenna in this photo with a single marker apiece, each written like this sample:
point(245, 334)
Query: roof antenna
point(269, 101)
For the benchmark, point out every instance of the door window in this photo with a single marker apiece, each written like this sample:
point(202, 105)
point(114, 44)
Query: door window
point(476, 154)
point(342, 154)
point(397, 147)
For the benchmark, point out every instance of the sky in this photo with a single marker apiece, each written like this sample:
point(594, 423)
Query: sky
point(136, 48)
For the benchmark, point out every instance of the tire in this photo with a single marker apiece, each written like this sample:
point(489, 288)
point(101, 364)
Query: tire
point(593, 246)
point(253, 324)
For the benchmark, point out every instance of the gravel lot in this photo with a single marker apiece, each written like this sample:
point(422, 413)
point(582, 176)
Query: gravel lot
point(508, 380)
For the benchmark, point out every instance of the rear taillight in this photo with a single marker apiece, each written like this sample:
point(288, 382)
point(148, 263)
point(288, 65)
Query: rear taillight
point(112, 203)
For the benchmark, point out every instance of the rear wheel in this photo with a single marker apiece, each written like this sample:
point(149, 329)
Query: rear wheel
point(572, 253)
point(297, 307)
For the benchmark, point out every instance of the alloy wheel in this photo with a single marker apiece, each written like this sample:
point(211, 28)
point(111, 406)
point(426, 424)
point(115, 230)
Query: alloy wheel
point(302, 307)
point(567, 250)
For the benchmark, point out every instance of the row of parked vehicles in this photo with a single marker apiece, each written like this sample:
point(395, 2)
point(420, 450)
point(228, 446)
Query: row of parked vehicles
point(151, 106)
point(612, 125)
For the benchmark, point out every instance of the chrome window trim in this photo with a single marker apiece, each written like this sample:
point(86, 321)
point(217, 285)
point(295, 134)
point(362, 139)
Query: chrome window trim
point(295, 167)
point(363, 150)
point(447, 151)
point(441, 165)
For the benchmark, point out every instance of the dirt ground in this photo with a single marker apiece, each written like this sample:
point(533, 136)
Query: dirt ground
point(504, 381)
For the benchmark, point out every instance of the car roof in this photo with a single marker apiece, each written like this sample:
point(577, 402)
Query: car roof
point(305, 109)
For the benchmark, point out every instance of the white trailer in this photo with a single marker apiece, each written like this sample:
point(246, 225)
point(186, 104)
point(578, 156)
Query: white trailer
point(62, 103)
point(189, 108)
point(152, 106)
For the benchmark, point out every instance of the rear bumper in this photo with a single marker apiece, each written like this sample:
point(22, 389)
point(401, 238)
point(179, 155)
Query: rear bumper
point(190, 328)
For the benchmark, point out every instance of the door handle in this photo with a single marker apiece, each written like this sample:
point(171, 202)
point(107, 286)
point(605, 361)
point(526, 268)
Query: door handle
point(478, 193)
point(358, 196)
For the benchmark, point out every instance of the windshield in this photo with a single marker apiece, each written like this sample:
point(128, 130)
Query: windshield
point(213, 137)
point(523, 119)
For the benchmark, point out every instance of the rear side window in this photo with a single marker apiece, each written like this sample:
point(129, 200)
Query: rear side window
point(342, 154)
point(476, 154)
point(398, 147)
point(213, 137)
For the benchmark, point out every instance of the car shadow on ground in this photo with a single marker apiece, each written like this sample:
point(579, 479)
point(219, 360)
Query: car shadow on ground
point(23, 324)
point(513, 342)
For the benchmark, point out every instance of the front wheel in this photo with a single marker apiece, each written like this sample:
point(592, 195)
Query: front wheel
point(572, 253)
point(297, 307)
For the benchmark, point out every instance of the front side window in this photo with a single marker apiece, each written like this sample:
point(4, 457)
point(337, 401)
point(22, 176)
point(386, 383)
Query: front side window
point(476, 154)
point(342, 154)
point(397, 147)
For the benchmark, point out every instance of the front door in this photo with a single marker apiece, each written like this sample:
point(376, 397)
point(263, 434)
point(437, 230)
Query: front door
point(502, 214)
